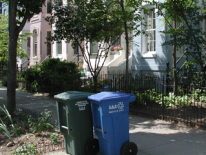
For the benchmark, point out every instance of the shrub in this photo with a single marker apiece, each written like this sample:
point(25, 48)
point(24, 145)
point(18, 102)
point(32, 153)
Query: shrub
point(54, 137)
point(4, 82)
point(31, 75)
point(63, 76)
point(26, 149)
point(55, 74)
point(42, 123)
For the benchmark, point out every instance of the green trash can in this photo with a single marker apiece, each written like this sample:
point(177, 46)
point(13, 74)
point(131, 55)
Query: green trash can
point(75, 123)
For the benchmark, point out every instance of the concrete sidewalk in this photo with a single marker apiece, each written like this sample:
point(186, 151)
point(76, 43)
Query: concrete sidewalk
point(153, 137)
point(36, 102)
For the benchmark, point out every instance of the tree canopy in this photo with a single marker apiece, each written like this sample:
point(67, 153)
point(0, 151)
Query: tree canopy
point(189, 16)
point(184, 19)
point(85, 23)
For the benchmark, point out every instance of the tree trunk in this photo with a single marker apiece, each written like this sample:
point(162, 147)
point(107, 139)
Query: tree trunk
point(174, 61)
point(11, 80)
point(95, 83)
point(127, 48)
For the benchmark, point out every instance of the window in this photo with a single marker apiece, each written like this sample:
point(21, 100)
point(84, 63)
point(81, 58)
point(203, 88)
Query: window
point(48, 6)
point(118, 42)
point(93, 47)
point(149, 40)
point(35, 43)
point(150, 30)
point(4, 11)
point(48, 44)
point(59, 2)
point(59, 47)
point(76, 50)
point(28, 46)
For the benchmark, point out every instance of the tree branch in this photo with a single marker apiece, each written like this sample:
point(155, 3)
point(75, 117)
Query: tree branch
point(23, 22)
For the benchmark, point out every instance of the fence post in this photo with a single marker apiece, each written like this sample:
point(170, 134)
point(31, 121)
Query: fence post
point(163, 98)
point(186, 60)
point(167, 77)
point(115, 83)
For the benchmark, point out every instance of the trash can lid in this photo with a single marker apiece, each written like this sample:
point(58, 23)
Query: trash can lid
point(69, 95)
point(110, 96)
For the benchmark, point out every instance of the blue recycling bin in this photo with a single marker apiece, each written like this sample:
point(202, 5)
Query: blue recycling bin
point(110, 111)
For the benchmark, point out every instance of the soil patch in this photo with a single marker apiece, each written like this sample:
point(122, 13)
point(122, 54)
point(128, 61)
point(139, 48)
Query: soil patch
point(26, 141)
point(42, 143)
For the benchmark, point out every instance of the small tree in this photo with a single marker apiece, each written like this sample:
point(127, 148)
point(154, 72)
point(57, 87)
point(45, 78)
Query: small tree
point(131, 16)
point(4, 42)
point(86, 23)
point(188, 32)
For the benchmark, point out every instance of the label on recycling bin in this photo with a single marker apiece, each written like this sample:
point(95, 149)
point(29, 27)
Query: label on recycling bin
point(82, 105)
point(116, 107)
point(106, 87)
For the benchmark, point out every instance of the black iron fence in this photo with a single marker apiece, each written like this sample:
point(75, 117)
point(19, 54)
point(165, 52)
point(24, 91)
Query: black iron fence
point(154, 94)
point(155, 97)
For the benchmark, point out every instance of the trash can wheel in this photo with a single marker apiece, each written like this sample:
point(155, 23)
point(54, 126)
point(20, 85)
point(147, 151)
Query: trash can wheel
point(129, 148)
point(92, 146)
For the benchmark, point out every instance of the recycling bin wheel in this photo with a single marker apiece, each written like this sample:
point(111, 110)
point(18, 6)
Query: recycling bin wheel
point(129, 148)
point(92, 146)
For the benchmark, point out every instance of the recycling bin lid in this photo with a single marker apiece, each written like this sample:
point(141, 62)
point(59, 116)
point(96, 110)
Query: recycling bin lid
point(103, 96)
point(71, 95)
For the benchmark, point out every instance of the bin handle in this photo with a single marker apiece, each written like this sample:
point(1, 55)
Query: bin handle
point(99, 129)
point(64, 127)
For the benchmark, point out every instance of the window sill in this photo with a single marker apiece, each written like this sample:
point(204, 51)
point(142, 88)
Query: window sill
point(47, 14)
point(35, 58)
point(114, 53)
point(93, 55)
point(59, 56)
point(149, 55)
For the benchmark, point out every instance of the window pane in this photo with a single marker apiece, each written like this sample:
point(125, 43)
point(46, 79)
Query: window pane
point(48, 6)
point(150, 30)
point(35, 43)
point(59, 48)
point(48, 44)
point(48, 34)
point(118, 42)
point(28, 46)
point(151, 40)
point(76, 50)
point(48, 47)
point(94, 47)
point(35, 50)
point(154, 24)
point(35, 36)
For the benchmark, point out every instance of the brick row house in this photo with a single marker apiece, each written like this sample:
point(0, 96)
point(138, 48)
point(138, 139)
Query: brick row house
point(40, 50)
point(148, 56)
